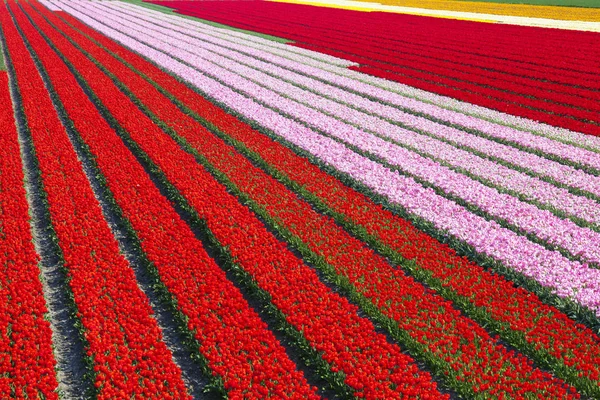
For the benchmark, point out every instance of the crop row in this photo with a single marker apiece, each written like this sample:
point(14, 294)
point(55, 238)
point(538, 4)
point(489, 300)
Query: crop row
point(464, 108)
point(26, 358)
point(326, 242)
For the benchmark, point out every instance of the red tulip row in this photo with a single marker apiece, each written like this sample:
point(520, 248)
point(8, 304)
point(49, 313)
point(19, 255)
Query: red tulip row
point(578, 125)
point(532, 93)
point(516, 89)
point(372, 366)
point(500, 71)
point(487, 46)
point(514, 310)
point(507, 40)
point(26, 359)
point(364, 49)
point(115, 313)
point(235, 341)
point(475, 82)
point(544, 75)
point(414, 66)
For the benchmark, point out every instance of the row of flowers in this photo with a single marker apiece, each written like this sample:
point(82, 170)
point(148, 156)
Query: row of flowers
point(557, 98)
point(460, 272)
point(115, 313)
point(26, 359)
point(567, 320)
point(301, 220)
point(516, 10)
point(489, 172)
point(568, 278)
point(237, 37)
point(458, 67)
point(236, 343)
point(310, 29)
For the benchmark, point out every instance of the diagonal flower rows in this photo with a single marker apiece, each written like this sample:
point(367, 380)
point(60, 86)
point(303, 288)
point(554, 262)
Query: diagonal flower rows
point(505, 302)
point(333, 74)
point(466, 109)
point(323, 241)
point(568, 277)
point(363, 355)
point(149, 98)
point(291, 212)
point(432, 256)
point(114, 311)
point(186, 268)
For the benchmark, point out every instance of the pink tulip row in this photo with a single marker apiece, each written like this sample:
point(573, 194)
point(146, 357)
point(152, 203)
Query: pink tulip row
point(278, 95)
point(277, 78)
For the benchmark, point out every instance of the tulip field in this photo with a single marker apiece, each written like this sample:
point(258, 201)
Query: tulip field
point(267, 199)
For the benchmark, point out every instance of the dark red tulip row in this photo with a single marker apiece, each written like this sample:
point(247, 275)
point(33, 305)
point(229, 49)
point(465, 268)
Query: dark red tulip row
point(428, 64)
point(514, 309)
point(495, 47)
point(494, 41)
point(26, 359)
point(235, 341)
point(515, 89)
point(447, 42)
point(125, 342)
point(553, 86)
point(372, 366)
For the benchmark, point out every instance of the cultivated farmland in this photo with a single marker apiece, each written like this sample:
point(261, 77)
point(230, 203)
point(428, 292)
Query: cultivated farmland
point(265, 199)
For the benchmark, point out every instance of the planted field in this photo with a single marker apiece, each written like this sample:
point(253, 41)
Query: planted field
point(285, 201)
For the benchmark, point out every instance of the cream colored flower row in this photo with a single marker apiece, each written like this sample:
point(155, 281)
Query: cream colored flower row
point(465, 15)
point(515, 10)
